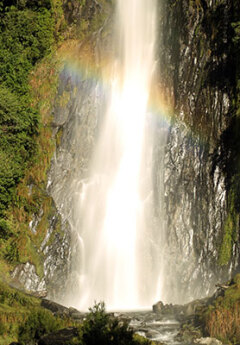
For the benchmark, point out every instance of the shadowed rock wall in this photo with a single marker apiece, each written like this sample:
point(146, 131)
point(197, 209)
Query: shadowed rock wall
point(197, 61)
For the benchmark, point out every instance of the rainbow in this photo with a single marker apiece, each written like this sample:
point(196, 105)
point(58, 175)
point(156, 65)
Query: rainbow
point(80, 61)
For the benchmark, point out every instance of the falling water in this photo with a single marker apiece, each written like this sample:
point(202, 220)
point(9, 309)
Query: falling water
point(116, 229)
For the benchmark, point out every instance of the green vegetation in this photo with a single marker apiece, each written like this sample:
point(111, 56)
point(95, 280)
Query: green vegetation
point(23, 319)
point(222, 319)
point(230, 155)
point(106, 329)
point(14, 308)
point(98, 326)
point(34, 38)
point(230, 235)
point(26, 36)
point(38, 323)
point(219, 317)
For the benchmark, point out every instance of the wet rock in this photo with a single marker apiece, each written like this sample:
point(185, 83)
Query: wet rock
point(60, 310)
point(54, 307)
point(218, 293)
point(39, 294)
point(195, 186)
point(151, 326)
point(57, 260)
point(169, 310)
point(151, 334)
point(192, 307)
point(208, 341)
point(75, 11)
point(36, 218)
point(55, 252)
point(62, 337)
point(158, 307)
point(180, 312)
point(25, 275)
point(72, 310)
point(78, 120)
point(188, 334)
point(78, 316)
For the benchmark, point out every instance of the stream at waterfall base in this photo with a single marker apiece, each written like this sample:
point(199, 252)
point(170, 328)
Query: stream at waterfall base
point(152, 326)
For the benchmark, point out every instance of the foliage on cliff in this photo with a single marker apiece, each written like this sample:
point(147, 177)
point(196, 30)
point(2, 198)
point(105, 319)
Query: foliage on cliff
point(222, 319)
point(28, 81)
point(230, 145)
point(26, 36)
point(23, 319)
point(32, 38)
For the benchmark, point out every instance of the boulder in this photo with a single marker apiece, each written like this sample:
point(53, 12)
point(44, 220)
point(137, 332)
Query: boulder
point(151, 334)
point(179, 311)
point(158, 307)
point(191, 307)
point(77, 316)
point(62, 337)
point(207, 341)
point(55, 308)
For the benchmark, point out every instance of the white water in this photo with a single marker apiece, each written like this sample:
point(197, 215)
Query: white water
point(120, 261)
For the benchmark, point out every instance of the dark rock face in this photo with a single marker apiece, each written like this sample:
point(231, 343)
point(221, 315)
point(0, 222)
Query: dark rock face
point(158, 307)
point(75, 11)
point(197, 62)
point(59, 310)
point(78, 121)
point(55, 249)
point(62, 337)
point(54, 307)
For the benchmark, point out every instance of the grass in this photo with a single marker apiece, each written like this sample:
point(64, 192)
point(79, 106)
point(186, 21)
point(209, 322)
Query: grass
point(222, 319)
point(22, 319)
point(229, 232)
point(15, 306)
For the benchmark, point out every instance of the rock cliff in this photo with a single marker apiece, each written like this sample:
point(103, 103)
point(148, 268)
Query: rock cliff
point(197, 58)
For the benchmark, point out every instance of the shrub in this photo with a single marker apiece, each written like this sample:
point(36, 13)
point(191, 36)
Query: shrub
point(26, 36)
point(5, 230)
point(18, 124)
point(106, 330)
point(39, 323)
point(2, 328)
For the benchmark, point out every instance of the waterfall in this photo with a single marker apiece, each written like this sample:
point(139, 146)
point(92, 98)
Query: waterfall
point(119, 230)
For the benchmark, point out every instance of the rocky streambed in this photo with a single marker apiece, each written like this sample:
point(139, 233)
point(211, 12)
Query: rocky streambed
point(169, 324)
point(165, 324)
point(149, 325)
point(160, 329)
